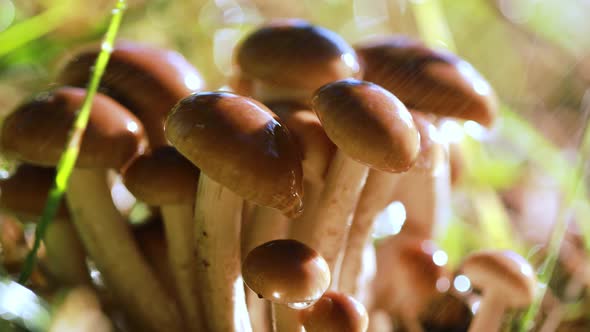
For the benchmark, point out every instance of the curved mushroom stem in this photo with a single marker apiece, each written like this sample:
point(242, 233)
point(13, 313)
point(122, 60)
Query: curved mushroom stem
point(489, 314)
point(217, 228)
point(109, 242)
point(301, 225)
point(375, 197)
point(266, 225)
point(334, 210)
point(66, 256)
point(285, 319)
point(426, 197)
point(178, 222)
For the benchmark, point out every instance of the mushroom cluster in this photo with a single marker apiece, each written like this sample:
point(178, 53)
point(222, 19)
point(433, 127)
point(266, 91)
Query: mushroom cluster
point(275, 184)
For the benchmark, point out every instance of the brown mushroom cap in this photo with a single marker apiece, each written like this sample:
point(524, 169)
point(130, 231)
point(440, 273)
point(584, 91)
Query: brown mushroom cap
point(25, 192)
point(335, 312)
point(286, 272)
point(505, 273)
point(147, 80)
point(369, 124)
point(427, 80)
point(239, 143)
point(293, 53)
point(407, 269)
point(303, 123)
point(37, 131)
point(162, 177)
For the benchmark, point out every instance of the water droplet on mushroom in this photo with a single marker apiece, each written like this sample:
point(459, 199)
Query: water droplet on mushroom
point(300, 305)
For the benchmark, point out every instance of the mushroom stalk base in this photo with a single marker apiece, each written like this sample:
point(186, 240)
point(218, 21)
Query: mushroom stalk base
point(66, 257)
point(109, 242)
point(489, 314)
point(179, 225)
point(375, 197)
point(285, 319)
point(333, 213)
point(217, 228)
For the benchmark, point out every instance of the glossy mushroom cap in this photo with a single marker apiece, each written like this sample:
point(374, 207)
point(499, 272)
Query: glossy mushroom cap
point(147, 80)
point(295, 54)
point(25, 192)
point(369, 124)
point(506, 274)
point(433, 153)
point(317, 149)
point(286, 272)
point(239, 143)
point(163, 176)
point(407, 275)
point(37, 131)
point(427, 80)
point(335, 312)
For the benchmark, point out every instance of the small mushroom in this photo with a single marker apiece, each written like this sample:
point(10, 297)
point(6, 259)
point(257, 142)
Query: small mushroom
point(288, 59)
point(335, 312)
point(410, 271)
point(167, 179)
point(426, 80)
point(36, 132)
point(80, 311)
point(507, 281)
point(371, 128)
point(286, 272)
point(145, 79)
point(24, 194)
point(243, 152)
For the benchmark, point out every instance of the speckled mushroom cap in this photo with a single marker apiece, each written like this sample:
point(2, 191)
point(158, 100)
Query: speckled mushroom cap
point(147, 80)
point(369, 124)
point(25, 192)
point(407, 274)
point(37, 131)
point(295, 54)
point(335, 312)
point(504, 273)
point(317, 149)
point(286, 272)
point(239, 143)
point(427, 80)
point(163, 176)
point(433, 153)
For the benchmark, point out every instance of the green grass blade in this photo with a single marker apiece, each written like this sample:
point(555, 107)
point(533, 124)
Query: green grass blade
point(70, 155)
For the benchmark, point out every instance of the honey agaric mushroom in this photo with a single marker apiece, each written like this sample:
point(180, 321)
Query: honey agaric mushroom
point(167, 179)
point(145, 79)
point(288, 59)
point(409, 269)
point(243, 152)
point(286, 272)
point(24, 194)
point(507, 281)
point(36, 132)
point(371, 128)
point(427, 80)
point(335, 312)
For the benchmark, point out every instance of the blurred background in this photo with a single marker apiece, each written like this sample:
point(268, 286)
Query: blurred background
point(535, 53)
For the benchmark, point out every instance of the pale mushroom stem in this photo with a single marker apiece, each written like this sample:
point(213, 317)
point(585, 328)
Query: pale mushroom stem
point(333, 213)
point(488, 317)
point(426, 198)
point(217, 228)
point(375, 197)
point(179, 225)
point(266, 225)
point(109, 242)
point(301, 225)
point(65, 253)
point(285, 319)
